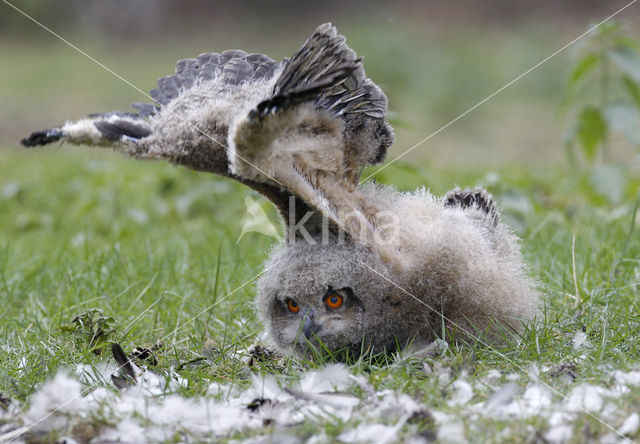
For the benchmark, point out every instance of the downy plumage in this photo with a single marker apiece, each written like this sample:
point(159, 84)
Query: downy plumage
point(363, 267)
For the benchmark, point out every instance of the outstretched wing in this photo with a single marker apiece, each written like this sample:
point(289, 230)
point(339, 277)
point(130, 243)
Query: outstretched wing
point(353, 98)
point(323, 122)
point(328, 75)
point(227, 69)
point(246, 116)
point(105, 129)
point(189, 121)
point(169, 128)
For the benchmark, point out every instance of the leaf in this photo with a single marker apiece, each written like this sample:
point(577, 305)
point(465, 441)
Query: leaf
point(625, 118)
point(627, 60)
point(591, 129)
point(516, 205)
point(610, 181)
point(632, 88)
point(586, 64)
point(628, 42)
point(608, 28)
point(257, 221)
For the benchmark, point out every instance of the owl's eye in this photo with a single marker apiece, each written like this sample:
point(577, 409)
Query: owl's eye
point(333, 300)
point(293, 306)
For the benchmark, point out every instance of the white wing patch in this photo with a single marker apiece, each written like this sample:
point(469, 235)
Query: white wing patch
point(82, 132)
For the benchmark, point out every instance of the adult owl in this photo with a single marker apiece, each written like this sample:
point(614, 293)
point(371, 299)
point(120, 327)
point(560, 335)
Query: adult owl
point(363, 267)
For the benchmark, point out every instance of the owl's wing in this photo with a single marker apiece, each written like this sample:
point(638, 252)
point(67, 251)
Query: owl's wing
point(327, 76)
point(188, 124)
point(320, 96)
point(326, 66)
point(171, 128)
point(322, 123)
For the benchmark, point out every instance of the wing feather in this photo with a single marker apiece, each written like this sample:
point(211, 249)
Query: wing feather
point(330, 74)
point(324, 120)
point(322, 87)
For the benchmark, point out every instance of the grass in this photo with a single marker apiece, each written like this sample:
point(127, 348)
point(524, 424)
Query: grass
point(153, 246)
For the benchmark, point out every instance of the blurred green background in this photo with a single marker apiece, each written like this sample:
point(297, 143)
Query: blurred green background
point(434, 59)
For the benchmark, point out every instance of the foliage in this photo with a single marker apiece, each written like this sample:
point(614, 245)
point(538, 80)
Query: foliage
point(155, 246)
point(257, 221)
point(74, 237)
point(92, 327)
point(604, 90)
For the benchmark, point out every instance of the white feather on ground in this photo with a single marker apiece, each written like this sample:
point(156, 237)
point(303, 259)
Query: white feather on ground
point(152, 411)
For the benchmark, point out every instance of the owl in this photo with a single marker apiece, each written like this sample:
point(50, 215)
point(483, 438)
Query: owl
point(363, 268)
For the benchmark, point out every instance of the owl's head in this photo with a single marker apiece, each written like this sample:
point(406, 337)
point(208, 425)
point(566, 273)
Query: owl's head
point(325, 297)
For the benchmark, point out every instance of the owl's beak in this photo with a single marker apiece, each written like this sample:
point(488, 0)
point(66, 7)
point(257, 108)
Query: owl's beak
point(309, 327)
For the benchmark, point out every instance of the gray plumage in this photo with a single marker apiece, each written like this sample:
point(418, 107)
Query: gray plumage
point(299, 131)
point(454, 270)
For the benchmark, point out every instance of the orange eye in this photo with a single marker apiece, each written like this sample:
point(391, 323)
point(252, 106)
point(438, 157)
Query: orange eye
point(293, 306)
point(334, 300)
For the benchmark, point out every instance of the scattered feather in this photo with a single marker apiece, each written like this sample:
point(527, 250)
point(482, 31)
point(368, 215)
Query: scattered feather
point(559, 434)
point(149, 409)
point(54, 402)
point(462, 392)
point(580, 341)
point(630, 425)
point(503, 396)
point(375, 433)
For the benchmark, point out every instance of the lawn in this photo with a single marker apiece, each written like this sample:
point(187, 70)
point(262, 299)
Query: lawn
point(97, 249)
point(155, 248)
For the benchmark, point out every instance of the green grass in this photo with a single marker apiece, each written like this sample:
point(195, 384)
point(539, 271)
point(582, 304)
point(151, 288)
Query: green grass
point(66, 249)
point(154, 247)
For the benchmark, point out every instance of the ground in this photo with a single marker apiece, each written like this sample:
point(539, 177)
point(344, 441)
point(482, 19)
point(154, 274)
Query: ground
point(154, 247)
point(95, 249)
